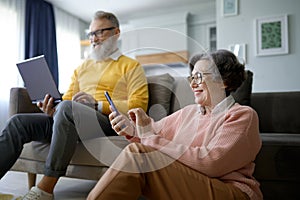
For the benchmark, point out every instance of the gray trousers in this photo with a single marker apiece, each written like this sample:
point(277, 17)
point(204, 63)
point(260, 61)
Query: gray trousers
point(71, 122)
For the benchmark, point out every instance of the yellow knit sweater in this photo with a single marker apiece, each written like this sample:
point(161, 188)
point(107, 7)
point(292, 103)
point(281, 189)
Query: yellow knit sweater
point(124, 79)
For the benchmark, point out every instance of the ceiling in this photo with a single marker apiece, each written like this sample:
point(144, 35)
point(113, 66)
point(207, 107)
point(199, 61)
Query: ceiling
point(124, 9)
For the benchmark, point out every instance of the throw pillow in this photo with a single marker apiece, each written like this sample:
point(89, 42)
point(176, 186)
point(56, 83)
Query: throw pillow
point(160, 90)
point(243, 94)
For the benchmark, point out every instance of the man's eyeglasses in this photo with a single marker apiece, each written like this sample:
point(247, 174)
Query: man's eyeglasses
point(197, 77)
point(98, 32)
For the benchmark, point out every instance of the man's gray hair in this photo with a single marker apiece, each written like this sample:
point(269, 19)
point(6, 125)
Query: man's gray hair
point(107, 15)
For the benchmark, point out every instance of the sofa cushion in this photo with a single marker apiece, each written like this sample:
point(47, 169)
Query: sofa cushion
point(279, 157)
point(243, 94)
point(88, 152)
point(277, 165)
point(160, 91)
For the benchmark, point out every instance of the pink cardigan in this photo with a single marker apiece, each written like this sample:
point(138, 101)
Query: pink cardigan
point(222, 144)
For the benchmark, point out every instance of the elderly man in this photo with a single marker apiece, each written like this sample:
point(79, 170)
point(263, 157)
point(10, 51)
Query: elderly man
point(105, 70)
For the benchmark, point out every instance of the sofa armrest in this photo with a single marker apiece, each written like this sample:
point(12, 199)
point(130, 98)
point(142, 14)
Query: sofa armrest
point(20, 102)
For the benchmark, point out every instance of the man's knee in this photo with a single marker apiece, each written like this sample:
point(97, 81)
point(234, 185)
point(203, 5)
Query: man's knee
point(18, 119)
point(64, 105)
point(63, 110)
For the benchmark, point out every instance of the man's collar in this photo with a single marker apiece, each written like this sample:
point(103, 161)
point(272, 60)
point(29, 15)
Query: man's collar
point(115, 55)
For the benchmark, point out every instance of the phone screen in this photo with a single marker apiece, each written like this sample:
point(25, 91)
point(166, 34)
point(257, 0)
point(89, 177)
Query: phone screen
point(111, 102)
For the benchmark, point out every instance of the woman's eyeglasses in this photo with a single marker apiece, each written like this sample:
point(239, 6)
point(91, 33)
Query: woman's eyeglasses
point(197, 78)
point(99, 32)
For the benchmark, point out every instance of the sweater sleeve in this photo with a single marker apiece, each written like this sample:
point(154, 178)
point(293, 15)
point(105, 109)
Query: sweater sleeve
point(235, 144)
point(135, 89)
point(157, 128)
point(73, 87)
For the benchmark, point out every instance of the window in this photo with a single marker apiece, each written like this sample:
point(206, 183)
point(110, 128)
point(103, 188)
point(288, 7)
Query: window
point(68, 46)
point(11, 51)
point(212, 38)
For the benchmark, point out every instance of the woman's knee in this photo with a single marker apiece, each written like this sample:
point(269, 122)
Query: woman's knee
point(138, 148)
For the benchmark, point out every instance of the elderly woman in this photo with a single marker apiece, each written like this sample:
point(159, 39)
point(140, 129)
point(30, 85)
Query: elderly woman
point(203, 151)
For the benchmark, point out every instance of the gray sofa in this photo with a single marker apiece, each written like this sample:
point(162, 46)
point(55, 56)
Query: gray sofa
point(277, 165)
point(166, 95)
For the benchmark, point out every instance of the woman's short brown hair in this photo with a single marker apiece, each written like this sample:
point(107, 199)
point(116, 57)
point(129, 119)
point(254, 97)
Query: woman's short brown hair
point(231, 70)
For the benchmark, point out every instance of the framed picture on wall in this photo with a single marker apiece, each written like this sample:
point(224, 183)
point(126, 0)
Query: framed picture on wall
point(272, 35)
point(229, 7)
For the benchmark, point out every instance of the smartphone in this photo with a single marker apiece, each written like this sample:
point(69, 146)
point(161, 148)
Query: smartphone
point(111, 102)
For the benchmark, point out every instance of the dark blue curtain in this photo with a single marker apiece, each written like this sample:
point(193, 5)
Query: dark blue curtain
point(40, 33)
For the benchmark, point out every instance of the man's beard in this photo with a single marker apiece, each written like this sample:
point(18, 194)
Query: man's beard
point(104, 50)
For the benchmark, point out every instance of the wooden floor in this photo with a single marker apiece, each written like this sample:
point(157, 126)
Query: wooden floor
point(15, 183)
